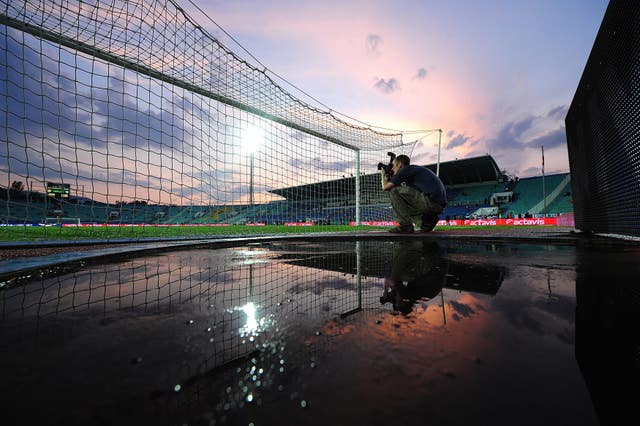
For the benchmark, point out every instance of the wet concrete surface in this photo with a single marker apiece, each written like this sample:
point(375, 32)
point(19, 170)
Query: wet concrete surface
point(29, 249)
point(409, 331)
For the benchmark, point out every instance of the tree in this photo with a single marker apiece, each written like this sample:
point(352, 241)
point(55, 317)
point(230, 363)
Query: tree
point(17, 185)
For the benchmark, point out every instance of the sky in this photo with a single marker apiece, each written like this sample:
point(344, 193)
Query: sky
point(497, 76)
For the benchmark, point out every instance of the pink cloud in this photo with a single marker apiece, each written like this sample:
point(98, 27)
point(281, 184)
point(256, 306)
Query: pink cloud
point(471, 74)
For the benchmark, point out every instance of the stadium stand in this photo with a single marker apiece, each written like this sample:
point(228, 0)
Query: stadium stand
point(472, 185)
point(562, 204)
point(528, 194)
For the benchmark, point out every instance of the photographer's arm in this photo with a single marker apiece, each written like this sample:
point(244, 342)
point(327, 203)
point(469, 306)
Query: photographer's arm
point(386, 185)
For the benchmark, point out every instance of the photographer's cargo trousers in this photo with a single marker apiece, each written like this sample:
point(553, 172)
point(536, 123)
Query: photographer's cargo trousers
point(412, 206)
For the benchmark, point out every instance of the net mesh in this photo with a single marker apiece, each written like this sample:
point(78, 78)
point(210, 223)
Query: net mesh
point(149, 119)
point(603, 136)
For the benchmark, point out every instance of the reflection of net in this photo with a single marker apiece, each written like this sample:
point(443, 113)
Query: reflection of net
point(149, 119)
point(179, 319)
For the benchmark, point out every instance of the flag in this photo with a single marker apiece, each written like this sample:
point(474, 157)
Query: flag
point(542, 159)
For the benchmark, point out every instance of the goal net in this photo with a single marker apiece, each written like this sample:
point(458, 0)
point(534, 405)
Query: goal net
point(149, 119)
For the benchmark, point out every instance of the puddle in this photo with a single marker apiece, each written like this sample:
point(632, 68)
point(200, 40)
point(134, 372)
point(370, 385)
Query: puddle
point(399, 332)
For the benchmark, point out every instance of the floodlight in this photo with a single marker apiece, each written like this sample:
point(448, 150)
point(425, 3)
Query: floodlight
point(252, 139)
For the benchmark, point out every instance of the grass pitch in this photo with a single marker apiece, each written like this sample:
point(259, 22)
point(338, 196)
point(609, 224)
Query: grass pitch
point(52, 233)
point(111, 233)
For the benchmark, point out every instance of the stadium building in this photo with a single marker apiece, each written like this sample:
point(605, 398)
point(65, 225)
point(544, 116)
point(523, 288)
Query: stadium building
point(476, 188)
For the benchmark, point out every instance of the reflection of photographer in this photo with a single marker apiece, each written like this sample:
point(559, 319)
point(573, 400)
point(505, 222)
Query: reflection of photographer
point(410, 278)
point(417, 194)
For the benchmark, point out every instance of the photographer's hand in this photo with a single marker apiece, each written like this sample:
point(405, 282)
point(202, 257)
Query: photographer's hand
point(386, 185)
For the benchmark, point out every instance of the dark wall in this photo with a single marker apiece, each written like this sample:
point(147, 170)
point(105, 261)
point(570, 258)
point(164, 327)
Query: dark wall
point(603, 127)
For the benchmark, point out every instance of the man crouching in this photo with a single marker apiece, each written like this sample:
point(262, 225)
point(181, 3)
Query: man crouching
point(417, 196)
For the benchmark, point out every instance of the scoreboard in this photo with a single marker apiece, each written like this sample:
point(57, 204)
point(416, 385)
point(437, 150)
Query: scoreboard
point(58, 190)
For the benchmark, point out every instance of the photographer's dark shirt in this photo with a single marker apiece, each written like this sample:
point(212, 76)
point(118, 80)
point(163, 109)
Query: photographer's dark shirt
point(423, 180)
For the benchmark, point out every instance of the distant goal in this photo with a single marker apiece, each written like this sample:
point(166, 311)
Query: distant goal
point(54, 221)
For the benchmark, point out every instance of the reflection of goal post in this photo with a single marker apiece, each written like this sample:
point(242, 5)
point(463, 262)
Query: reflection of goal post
point(154, 114)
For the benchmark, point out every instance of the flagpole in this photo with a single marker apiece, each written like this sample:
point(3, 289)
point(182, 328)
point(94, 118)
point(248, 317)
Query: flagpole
point(439, 145)
point(544, 190)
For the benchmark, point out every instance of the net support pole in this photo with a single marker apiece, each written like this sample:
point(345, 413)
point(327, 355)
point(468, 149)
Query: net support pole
point(357, 155)
point(251, 200)
point(359, 273)
point(358, 283)
point(439, 145)
point(544, 189)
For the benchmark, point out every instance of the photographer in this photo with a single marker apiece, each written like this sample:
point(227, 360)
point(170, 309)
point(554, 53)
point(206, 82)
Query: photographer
point(417, 195)
point(417, 273)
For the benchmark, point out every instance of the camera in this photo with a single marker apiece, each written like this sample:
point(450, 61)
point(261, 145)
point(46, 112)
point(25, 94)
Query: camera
point(388, 168)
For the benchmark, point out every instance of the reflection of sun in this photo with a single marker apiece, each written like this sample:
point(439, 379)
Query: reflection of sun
point(252, 324)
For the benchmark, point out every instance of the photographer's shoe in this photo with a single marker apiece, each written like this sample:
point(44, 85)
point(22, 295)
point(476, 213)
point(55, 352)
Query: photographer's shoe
point(406, 229)
point(429, 221)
